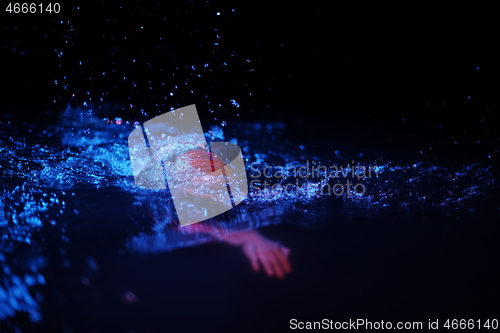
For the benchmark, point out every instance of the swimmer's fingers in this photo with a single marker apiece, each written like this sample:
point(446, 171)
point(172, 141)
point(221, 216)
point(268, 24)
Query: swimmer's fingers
point(275, 260)
point(275, 264)
point(280, 263)
point(282, 259)
point(266, 263)
point(252, 256)
point(285, 250)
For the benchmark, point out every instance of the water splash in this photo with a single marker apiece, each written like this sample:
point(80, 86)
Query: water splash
point(87, 153)
point(24, 212)
point(102, 160)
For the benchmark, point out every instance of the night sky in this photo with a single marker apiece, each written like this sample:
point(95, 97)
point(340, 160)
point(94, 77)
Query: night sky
point(274, 61)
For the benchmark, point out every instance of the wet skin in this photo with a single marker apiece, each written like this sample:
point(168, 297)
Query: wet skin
point(263, 253)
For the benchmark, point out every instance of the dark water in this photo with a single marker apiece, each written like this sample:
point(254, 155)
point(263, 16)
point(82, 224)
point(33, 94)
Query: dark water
point(80, 250)
point(83, 249)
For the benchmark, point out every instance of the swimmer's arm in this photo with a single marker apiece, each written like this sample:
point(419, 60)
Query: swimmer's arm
point(272, 256)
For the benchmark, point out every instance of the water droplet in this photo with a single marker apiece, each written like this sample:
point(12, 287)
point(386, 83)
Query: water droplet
point(40, 278)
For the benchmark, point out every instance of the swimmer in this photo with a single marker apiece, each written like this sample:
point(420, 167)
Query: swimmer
point(270, 256)
point(262, 252)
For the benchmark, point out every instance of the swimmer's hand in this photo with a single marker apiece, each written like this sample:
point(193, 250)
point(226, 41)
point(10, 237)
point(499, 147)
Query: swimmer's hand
point(262, 252)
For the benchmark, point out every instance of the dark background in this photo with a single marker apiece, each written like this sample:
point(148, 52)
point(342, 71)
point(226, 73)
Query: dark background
point(299, 54)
